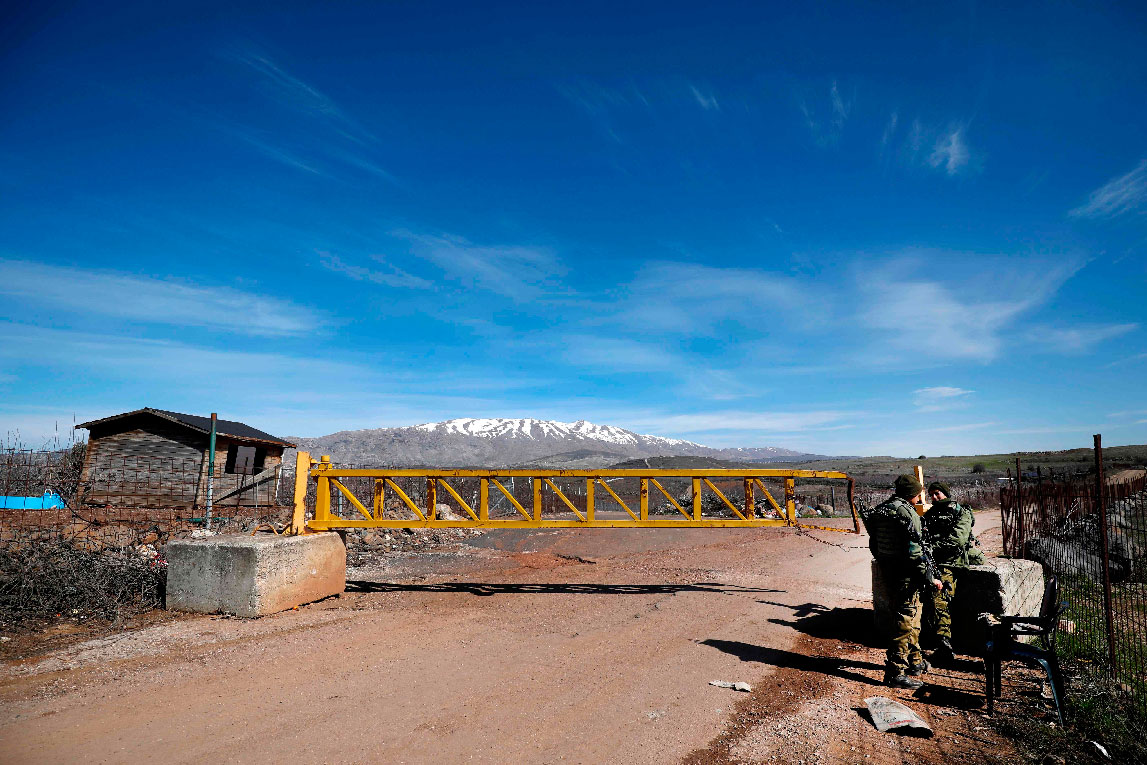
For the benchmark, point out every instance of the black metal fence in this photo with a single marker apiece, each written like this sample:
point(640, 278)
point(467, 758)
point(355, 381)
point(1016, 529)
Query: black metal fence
point(1091, 532)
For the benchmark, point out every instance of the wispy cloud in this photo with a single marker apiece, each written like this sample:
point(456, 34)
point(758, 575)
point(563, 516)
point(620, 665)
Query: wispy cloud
point(963, 427)
point(292, 90)
point(707, 101)
point(840, 108)
point(332, 140)
point(950, 152)
point(1126, 414)
point(1138, 357)
point(1118, 196)
point(939, 398)
point(826, 120)
point(693, 299)
point(889, 129)
point(153, 301)
point(521, 273)
point(945, 149)
point(391, 276)
point(1079, 339)
point(605, 106)
point(170, 362)
point(916, 314)
point(616, 354)
point(276, 152)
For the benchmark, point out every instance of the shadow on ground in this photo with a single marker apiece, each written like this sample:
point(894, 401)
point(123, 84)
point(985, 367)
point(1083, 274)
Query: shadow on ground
point(938, 695)
point(563, 588)
point(852, 625)
point(825, 665)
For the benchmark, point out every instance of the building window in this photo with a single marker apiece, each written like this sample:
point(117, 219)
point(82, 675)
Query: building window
point(245, 460)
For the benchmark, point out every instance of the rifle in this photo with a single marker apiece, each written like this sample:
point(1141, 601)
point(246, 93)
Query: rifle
point(930, 567)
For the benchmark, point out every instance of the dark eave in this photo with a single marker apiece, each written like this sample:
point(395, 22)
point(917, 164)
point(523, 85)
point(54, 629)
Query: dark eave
point(235, 431)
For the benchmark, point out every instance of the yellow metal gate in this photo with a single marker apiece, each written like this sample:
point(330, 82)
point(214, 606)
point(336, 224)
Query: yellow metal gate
point(595, 505)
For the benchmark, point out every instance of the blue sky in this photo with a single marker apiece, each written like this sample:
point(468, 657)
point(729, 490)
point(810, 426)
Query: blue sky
point(845, 228)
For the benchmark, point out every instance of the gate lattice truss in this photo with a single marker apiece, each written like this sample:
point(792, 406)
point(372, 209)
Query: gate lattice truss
point(698, 509)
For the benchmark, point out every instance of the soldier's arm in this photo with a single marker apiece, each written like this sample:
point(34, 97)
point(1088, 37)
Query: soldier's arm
point(963, 530)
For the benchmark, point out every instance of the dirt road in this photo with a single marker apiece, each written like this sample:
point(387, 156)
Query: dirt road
point(592, 645)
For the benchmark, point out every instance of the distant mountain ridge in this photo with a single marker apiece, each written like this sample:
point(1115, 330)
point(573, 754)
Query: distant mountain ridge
point(508, 442)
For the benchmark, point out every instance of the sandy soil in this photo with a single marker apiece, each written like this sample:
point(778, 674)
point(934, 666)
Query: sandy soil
point(592, 645)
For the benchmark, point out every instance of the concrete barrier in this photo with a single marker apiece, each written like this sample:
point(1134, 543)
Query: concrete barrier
point(1001, 586)
point(253, 575)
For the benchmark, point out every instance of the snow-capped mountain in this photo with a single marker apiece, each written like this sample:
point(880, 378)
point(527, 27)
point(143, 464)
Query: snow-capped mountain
point(539, 429)
point(504, 442)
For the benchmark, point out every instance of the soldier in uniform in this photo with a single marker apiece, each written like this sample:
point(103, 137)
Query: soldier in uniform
point(895, 539)
point(948, 534)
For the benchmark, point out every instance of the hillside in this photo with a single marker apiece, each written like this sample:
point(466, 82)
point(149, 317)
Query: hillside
point(1071, 461)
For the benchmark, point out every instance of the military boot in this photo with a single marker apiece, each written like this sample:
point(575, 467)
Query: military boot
point(896, 678)
point(918, 668)
point(943, 653)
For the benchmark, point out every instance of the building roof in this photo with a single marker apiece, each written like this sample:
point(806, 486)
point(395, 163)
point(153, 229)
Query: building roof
point(233, 430)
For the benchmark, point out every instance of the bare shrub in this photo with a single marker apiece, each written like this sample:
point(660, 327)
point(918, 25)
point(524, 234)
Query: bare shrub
point(46, 579)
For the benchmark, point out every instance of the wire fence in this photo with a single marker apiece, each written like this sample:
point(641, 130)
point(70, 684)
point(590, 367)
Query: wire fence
point(1091, 533)
point(34, 472)
point(131, 506)
point(28, 477)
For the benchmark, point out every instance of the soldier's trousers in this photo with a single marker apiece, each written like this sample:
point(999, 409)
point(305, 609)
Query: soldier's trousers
point(941, 616)
point(904, 600)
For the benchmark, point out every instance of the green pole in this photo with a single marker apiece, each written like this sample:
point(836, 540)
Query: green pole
point(211, 469)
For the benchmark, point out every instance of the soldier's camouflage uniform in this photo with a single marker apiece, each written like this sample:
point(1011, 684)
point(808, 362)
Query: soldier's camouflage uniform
point(948, 534)
point(901, 562)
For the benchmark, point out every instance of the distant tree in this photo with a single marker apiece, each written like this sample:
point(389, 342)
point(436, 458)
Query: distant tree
point(921, 457)
point(978, 467)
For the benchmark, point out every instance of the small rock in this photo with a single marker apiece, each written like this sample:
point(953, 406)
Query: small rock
point(744, 687)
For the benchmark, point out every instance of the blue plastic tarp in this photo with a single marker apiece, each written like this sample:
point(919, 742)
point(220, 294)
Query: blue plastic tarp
point(50, 501)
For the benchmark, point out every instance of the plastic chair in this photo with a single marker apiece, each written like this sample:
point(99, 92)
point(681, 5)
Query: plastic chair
point(1004, 645)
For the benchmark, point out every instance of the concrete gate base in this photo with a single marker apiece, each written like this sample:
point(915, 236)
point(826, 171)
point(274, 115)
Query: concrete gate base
point(1002, 586)
point(254, 575)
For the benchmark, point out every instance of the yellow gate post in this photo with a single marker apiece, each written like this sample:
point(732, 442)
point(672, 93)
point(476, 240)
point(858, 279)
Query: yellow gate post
point(299, 516)
point(791, 500)
point(323, 490)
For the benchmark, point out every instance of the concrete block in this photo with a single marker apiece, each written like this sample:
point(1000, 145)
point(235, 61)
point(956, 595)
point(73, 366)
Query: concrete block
point(1001, 586)
point(253, 575)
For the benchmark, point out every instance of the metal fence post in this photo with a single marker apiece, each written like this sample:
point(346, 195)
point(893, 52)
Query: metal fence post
point(1019, 511)
point(1101, 508)
point(211, 469)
